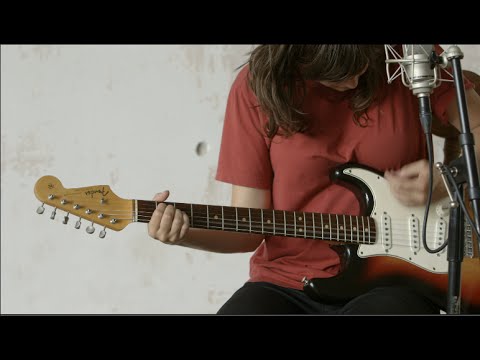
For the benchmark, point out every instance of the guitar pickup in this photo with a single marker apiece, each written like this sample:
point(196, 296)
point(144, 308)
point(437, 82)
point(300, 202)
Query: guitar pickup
point(414, 231)
point(440, 233)
point(386, 232)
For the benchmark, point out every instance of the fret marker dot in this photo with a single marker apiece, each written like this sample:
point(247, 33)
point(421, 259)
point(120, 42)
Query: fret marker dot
point(301, 230)
point(326, 226)
point(299, 218)
point(354, 228)
point(216, 217)
point(341, 227)
point(244, 219)
point(268, 221)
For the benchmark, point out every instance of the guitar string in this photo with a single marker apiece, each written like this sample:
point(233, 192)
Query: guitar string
point(329, 218)
point(398, 226)
point(300, 226)
point(346, 218)
point(338, 233)
point(149, 206)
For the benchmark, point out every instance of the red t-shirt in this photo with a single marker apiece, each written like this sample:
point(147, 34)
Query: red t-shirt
point(297, 169)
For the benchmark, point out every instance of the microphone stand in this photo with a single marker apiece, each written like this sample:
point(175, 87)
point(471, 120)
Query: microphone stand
point(464, 170)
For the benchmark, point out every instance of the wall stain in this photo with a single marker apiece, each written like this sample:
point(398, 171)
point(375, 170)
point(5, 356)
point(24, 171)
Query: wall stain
point(36, 92)
point(233, 56)
point(189, 258)
point(31, 156)
point(40, 52)
point(114, 177)
point(110, 84)
point(194, 56)
point(214, 100)
point(212, 194)
point(24, 55)
point(216, 296)
point(195, 60)
point(144, 255)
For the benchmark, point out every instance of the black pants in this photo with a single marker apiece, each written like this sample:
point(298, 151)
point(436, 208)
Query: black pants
point(265, 298)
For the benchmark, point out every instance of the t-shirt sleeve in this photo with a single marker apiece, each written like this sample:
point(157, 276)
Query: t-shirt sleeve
point(443, 95)
point(244, 157)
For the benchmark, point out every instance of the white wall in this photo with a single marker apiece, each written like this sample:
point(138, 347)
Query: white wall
point(130, 117)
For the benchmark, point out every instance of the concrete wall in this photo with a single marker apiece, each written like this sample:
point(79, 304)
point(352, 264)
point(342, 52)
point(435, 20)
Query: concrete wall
point(141, 119)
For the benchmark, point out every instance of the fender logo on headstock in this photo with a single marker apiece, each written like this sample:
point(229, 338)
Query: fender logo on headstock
point(93, 192)
point(50, 186)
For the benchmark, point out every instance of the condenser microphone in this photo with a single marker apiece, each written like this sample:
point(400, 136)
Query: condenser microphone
point(417, 65)
point(420, 71)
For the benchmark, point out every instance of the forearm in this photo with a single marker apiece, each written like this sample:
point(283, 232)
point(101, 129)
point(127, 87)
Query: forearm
point(221, 241)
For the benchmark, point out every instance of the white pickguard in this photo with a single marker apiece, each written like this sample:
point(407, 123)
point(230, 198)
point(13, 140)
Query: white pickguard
point(399, 228)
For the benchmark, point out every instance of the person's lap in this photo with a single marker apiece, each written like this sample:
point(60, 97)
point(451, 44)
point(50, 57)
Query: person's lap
point(265, 298)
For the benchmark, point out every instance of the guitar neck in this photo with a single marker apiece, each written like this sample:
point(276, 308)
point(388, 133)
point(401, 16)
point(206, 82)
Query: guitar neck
point(308, 225)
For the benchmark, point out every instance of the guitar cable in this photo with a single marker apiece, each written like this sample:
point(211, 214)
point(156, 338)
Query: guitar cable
point(459, 198)
point(428, 137)
point(456, 191)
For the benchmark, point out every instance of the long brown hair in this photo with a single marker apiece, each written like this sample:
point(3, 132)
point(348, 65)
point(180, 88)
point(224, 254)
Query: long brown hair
point(278, 74)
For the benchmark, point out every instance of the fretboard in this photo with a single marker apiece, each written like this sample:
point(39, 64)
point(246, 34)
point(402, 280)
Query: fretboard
point(308, 225)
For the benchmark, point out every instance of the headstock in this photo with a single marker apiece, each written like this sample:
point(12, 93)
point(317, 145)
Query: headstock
point(96, 204)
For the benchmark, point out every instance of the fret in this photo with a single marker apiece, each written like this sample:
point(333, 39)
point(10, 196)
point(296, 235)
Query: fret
point(261, 214)
point(313, 222)
point(371, 222)
point(338, 227)
point(285, 222)
point(368, 228)
point(321, 221)
point(369, 232)
point(250, 218)
point(358, 232)
point(208, 219)
point(273, 222)
point(344, 228)
point(304, 226)
point(295, 224)
point(135, 211)
point(330, 224)
point(351, 227)
point(223, 221)
point(236, 218)
point(191, 215)
point(363, 229)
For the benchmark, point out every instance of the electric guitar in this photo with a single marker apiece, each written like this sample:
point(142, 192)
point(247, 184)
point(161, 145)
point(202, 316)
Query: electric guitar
point(384, 246)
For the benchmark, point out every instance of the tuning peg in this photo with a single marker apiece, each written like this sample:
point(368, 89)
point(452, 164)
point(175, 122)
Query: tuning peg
point(90, 229)
point(40, 209)
point(65, 219)
point(78, 223)
point(102, 233)
point(54, 212)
